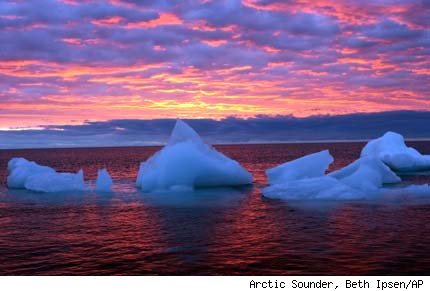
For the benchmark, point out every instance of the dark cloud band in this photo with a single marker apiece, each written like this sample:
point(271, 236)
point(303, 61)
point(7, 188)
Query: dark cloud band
point(261, 129)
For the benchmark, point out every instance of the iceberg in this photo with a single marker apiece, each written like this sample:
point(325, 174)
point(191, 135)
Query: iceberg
point(366, 174)
point(186, 162)
point(104, 181)
point(305, 179)
point(316, 188)
point(20, 169)
point(405, 192)
point(29, 175)
point(56, 182)
point(310, 166)
point(392, 150)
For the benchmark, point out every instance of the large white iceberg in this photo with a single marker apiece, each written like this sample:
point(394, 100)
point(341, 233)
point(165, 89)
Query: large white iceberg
point(186, 162)
point(104, 181)
point(29, 175)
point(305, 179)
point(392, 150)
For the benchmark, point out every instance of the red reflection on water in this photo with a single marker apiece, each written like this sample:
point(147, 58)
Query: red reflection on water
point(227, 232)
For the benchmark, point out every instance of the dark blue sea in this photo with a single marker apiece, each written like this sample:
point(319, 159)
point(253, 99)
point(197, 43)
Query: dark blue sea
point(222, 231)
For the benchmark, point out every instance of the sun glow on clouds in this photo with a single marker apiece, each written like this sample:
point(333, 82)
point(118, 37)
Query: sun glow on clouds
point(122, 59)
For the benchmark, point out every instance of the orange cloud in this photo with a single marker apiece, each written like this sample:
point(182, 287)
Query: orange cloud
point(108, 21)
point(163, 19)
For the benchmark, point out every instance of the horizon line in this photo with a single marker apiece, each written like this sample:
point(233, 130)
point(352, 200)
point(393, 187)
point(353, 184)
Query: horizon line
point(334, 141)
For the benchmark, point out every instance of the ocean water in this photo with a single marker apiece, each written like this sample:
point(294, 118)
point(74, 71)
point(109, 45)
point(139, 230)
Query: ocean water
point(223, 231)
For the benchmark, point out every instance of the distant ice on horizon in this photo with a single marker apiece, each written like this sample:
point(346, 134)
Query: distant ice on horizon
point(186, 162)
point(392, 150)
point(24, 174)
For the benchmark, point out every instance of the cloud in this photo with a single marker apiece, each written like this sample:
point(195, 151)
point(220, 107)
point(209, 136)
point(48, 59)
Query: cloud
point(226, 13)
point(69, 61)
point(391, 30)
point(133, 132)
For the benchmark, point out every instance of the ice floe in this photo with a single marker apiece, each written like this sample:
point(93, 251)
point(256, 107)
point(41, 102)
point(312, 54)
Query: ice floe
point(359, 180)
point(392, 150)
point(186, 162)
point(366, 174)
point(409, 191)
point(32, 176)
point(317, 188)
point(309, 166)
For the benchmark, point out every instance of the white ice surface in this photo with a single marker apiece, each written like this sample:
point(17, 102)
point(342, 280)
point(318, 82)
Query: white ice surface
point(104, 181)
point(317, 188)
point(309, 166)
point(362, 179)
point(20, 169)
point(406, 192)
point(186, 162)
point(366, 174)
point(392, 150)
point(29, 175)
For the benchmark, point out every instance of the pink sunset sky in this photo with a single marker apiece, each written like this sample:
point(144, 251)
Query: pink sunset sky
point(70, 62)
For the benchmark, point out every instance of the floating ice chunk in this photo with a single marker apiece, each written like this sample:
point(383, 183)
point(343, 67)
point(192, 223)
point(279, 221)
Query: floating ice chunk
point(317, 188)
point(309, 166)
point(104, 181)
point(56, 182)
point(366, 174)
point(186, 162)
point(305, 179)
point(31, 176)
point(392, 150)
point(20, 169)
point(360, 179)
point(411, 191)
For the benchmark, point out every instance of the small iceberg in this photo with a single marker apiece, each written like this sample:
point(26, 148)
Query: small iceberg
point(366, 174)
point(24, 174)
point(392, 150)
point(317, 188)
point(359, 180)
point(104, 181)
point(310, 166)
point(186, 162)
